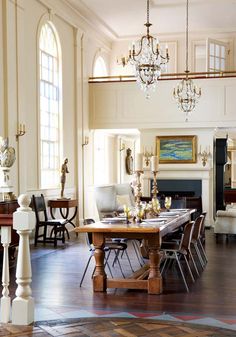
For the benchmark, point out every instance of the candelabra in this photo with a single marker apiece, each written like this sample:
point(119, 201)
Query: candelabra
point(20, 131)
point(204, 155)
point(138, 190)
point(154, 187)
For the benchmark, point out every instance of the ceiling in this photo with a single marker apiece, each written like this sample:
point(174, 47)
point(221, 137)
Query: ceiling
point(125, 18)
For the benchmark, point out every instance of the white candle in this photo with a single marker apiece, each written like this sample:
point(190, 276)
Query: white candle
point(139, 162)
point(154, 163)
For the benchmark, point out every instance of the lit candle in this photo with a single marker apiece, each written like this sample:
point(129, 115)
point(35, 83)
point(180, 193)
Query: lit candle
point(166, 48)
point(154, 163)
point(138, 162)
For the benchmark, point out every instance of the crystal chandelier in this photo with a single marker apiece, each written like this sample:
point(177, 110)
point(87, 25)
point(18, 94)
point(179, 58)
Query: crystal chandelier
point(147, 59)
point(186, 93)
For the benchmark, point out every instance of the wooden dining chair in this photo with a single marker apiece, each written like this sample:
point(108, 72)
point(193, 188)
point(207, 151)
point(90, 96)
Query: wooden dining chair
point(174, 251)
point(57, 226)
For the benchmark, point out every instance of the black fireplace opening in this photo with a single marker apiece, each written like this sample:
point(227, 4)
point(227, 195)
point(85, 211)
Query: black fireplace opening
point(179, 187)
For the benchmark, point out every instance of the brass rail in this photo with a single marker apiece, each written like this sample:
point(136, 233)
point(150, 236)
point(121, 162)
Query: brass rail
point(167, 76)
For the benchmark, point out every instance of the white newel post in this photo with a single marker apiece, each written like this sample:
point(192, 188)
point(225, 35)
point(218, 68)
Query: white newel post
point(23, 304)
point(5, 300)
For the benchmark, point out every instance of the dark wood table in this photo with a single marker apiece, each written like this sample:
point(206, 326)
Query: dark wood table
point(64, 206)
point(152, 235)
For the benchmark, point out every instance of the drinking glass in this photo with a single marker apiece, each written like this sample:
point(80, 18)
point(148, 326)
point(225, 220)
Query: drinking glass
point(167, 203)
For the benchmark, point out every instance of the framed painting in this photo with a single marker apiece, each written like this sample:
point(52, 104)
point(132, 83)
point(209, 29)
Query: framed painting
point(176, 149)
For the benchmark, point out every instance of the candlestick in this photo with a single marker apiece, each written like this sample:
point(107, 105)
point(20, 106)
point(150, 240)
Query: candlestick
point(154, 187)
point(154, 163)
point(139, 162)
point(138, 189)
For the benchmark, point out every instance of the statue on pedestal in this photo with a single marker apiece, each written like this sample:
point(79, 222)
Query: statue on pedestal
point(64, 170)
point(7, 159)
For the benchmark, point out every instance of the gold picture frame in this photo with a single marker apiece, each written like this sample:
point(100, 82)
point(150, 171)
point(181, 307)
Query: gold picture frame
point(176, 149)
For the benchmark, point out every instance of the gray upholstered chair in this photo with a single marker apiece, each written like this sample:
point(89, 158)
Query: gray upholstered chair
point(111, 198)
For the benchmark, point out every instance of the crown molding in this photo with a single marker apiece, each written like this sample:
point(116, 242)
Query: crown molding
point(73, 17)
point(91, 18)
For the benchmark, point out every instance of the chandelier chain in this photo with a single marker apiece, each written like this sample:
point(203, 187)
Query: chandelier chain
point(147, 11)
point(186, 36)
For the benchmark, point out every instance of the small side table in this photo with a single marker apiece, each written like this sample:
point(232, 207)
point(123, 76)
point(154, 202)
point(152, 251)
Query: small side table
point(64, 206)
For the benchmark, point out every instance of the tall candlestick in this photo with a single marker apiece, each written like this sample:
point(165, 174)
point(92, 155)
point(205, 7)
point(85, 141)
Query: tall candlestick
point(154, 163)
point(139, 162)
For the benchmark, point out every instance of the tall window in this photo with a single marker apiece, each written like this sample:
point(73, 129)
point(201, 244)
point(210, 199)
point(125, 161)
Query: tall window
point(49, 106)
point(217, 55)
point(100, 68)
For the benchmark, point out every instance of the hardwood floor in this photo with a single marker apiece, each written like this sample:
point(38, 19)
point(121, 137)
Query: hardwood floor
point(57, 273)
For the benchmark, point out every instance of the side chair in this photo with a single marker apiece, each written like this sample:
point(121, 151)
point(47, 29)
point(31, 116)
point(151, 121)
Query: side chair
point(57, 226)
point(196, 240)
point(174, 251)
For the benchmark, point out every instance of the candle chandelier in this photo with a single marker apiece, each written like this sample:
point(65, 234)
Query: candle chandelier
point(147, 59)
point(187, 93)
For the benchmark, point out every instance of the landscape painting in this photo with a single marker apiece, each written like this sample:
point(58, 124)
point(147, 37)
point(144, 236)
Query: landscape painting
point(176, 149)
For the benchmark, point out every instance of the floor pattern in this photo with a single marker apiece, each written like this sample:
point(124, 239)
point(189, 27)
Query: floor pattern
point(61, 313)
point(115, 327)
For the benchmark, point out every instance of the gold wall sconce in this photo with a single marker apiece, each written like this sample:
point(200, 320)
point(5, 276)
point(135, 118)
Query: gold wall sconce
point(123, 61)
point(122, 147)
point(147, 156)
point(86, 141)
point(204, 155)
point(20, 131)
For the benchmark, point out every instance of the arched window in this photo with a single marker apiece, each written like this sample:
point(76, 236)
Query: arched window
point(50, 102)
point(100, 68)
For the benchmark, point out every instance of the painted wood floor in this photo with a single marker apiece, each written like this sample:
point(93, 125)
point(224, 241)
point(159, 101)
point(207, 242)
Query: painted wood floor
point(113, 327)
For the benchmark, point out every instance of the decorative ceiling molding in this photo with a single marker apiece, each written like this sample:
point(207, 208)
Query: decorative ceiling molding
point(92, 18)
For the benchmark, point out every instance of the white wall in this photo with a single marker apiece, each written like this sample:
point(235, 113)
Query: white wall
point(19, 90)
point(177, 51)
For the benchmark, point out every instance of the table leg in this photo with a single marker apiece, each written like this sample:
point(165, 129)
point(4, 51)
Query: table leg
point(155, 278)
point(100, 277)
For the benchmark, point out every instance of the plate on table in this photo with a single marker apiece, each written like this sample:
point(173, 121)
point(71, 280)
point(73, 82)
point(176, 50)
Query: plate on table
point(169, 213)
point(159, 223)
point(153, 220)
point(113, 220)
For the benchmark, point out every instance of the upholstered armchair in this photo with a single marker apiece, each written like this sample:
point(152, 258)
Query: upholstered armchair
point(225, 222)
point(111, 198)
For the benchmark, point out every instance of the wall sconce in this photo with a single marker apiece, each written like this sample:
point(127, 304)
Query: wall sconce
point(20, 131)
point(122, 147)
point(205, 154)
point(123, 61)
point(147, 155)
point(86, 141)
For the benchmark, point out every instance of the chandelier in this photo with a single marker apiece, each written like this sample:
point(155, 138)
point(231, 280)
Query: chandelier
point(146, 57)
point(187, 93)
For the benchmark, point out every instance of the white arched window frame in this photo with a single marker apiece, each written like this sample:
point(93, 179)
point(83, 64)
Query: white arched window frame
point(100, 68)
point(50, 104)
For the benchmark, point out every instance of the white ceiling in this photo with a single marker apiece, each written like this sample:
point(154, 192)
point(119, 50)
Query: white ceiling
point(125, 18)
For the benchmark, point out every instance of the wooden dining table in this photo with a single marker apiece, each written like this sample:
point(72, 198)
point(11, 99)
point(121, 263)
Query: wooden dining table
point(151, 232)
